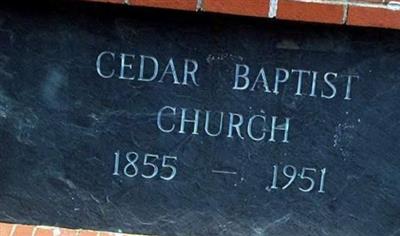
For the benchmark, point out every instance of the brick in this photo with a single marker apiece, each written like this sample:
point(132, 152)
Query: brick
point(170, 4)
point(5, 229)
point(23, 230)
point(332, 12)
point(32, 230)
point(43, 232)
point(88, 233)
point(106, 234)
point(67, 232)
point(238, 7)
point(373, 16)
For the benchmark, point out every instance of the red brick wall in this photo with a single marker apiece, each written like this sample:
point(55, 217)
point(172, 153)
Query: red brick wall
point(373, 13)
point(33, 230)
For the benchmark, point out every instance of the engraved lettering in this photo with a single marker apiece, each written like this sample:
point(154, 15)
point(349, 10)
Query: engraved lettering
point(348, 86)
point(300, 79)
point(143, 59)
point(279, 79)
point(242, 76)
point(330, 84)
point(99, 63)
point(250, 126)
point(207, 124)
point(275, 127)
point(124, 65)
point(185, 120)
point(314, 84)
point(191, 72)
point(160, 115)
point(261, 77)
point(306, 178)
point(235, 125)
point(170, 70)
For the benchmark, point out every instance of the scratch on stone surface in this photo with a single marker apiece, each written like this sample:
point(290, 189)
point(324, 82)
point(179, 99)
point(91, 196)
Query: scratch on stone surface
point(94, 198)
point(183, 142)
point(288, 44)
point(8, 216)
point(396, 232)
point(68, 182)
point(3, 61)
point(134, 140)
point(224, 172)
point(4, 110)
point(52, 86)
point(279, 221)
point(94, 117)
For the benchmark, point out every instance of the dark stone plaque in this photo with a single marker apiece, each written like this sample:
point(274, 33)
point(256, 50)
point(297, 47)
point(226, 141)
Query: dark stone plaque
point(175, 123)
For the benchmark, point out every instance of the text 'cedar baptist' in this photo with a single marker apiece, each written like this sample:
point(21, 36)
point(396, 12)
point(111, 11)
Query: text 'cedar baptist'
point(259, 127)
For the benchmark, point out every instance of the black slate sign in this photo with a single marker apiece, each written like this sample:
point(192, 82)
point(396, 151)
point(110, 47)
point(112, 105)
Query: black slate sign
point(174, 123)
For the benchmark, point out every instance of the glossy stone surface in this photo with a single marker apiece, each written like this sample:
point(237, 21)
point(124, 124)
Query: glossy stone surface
point(61, 125)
